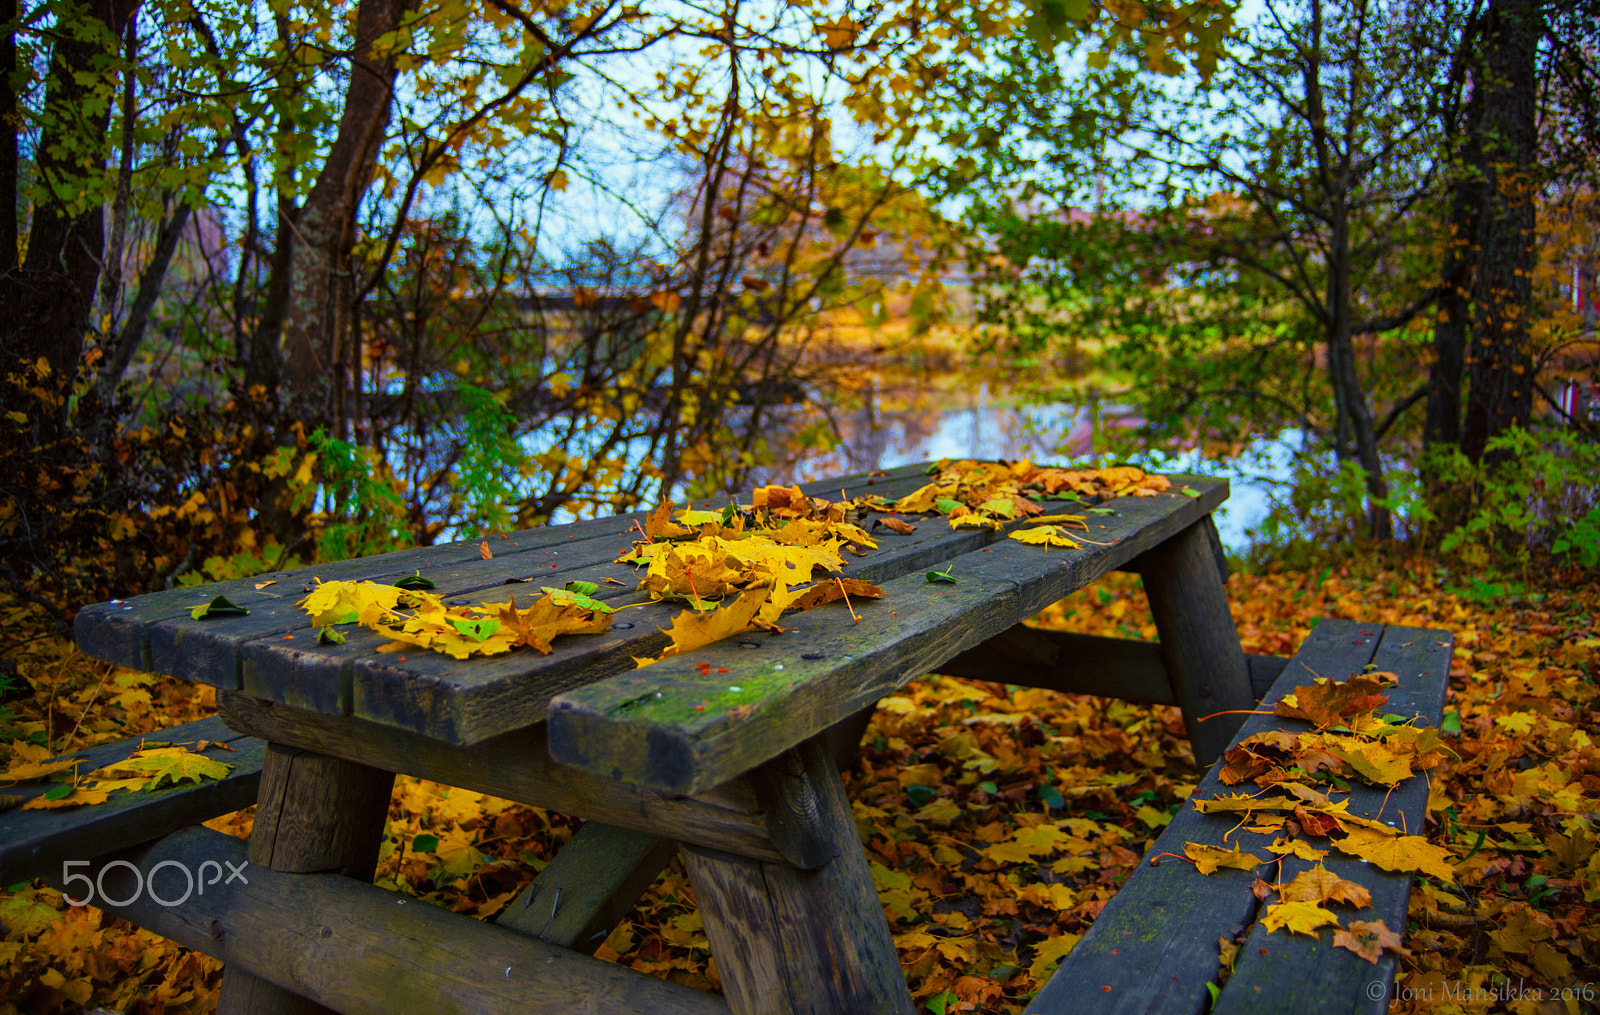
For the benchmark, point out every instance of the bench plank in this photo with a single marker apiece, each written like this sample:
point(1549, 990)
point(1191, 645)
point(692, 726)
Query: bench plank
point(679, 729)
point(1296, 972)
point(1167, 918)
point(34, 843)
point(1087, 664)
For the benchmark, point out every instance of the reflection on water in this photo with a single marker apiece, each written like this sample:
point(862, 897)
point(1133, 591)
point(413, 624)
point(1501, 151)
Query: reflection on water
point(1053, 434)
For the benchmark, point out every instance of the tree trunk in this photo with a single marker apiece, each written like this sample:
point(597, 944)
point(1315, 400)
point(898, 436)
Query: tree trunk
point(316, 311)
point(1442, 423)
point(1500, 367)
point(48, 299)
point(10, 153)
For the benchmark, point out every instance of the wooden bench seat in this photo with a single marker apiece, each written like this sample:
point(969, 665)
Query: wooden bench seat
point(34, 843)
point(1154, 948)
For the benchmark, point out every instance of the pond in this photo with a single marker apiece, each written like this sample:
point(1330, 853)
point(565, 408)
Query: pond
point(1050, 434)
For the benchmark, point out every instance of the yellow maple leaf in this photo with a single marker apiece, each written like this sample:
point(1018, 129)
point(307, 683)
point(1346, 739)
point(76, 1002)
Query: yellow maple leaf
point(339, 602)
point(1375, 763)
point(156, 766)
point(1297, 847)
point(1208, 858)
point(545, 620)
point(1045, 535)
point(691, 630)
point(1243, 802)
point(1298, 917)
point(1319, 885)
point(35, 770)
point(1049, 952)
point(80, 796)
point(659, 524)
point(1398, 852)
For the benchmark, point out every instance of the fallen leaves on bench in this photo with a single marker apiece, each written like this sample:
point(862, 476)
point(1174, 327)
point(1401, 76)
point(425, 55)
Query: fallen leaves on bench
point(1348, 742)
point(147, 769)
point(457, 631)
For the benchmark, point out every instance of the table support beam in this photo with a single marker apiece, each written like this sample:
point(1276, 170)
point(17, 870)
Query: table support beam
point(1199, 643)
point(314, 814)
point(800, 942)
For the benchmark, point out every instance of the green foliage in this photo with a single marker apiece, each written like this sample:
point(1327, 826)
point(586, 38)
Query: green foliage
point(361, 499)
point(1534, 491)
point(491, 459)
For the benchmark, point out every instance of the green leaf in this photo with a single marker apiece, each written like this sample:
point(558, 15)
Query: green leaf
point(583, 588)
point(1188, 491)
point(425, 844)
point(942, 576)
point(328, 636)
point(477, 630)
point(1101, 511)
point(568, 597)
point(57, 792)
point(1051, 797)
point(1451, 723)
point(920, 795)
point(218, 607)
point(944, 505)
point(414, 583)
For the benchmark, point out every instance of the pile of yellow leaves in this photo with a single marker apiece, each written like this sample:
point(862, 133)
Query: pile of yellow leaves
point(457, 631)
point(153, 765)
point(993, 493)
point(768, 567)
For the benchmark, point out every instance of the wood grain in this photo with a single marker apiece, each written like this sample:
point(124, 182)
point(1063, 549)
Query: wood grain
point(517, 766)
point(592, 883)
point(314, 814)
point(693, 721)
point(1087, 664)
point(361, 950)
point(1199, 644)
point(800, 942)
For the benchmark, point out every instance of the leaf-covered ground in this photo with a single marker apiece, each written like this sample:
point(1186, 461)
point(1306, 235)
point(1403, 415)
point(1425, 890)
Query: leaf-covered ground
point(998, 822)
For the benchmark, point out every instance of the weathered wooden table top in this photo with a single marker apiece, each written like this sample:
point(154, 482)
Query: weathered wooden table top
point(684, 724)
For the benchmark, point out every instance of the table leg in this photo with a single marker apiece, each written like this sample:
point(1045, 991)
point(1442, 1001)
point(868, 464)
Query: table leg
point(1199, 643)
point(313, 814)
point(800, 942)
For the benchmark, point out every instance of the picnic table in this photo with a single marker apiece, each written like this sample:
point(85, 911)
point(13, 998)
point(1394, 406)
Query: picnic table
point(721, 750)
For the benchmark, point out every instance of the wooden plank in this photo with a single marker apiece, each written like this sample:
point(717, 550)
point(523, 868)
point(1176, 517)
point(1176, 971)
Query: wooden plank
point(314, 814)
point(1166, 918)
point(34, 843)
point(677, 728)
point(1086, 664)
point(155, 631)
point(362, 950)
point(1300, 973)
point(517, 766)
point(800, 942)
point(588, 888)
point(466, 701)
